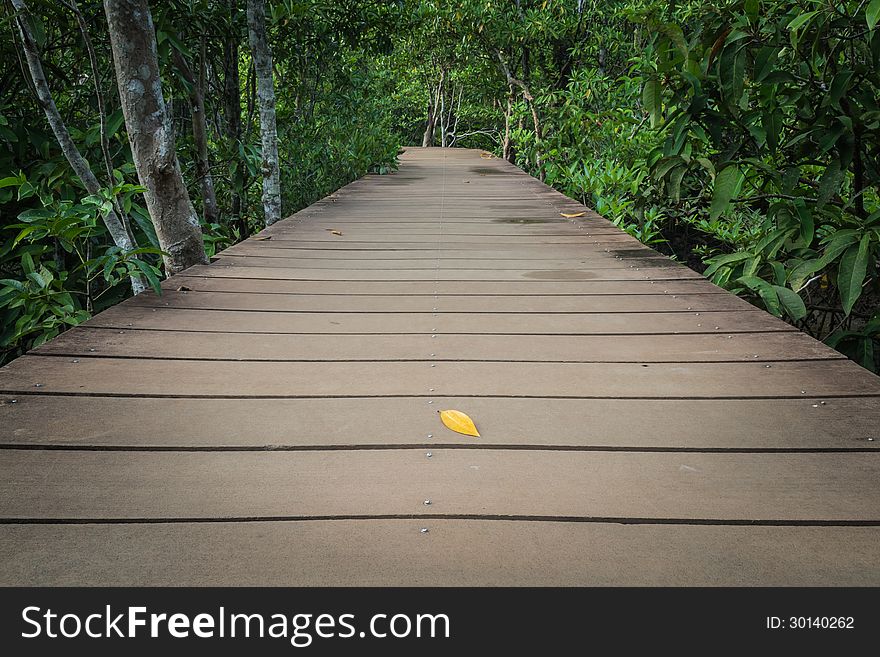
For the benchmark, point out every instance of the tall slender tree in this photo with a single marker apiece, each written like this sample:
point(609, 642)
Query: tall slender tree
point(115, 226)
point(232, 109)
point(133, 40)
point(262, 54)
point(196, 90)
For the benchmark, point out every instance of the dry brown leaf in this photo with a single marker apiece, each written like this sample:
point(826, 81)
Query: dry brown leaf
point(336, 232)
point(572, 216)
point(486, 156)
point(459, 422)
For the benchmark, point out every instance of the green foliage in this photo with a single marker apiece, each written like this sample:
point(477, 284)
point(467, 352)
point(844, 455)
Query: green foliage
point(783, 102)
point(38, 307)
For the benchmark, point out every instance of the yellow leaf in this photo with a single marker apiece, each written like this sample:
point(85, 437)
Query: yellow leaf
point(459, 422)
point(486, 156)
point(333, 231)
point(572, 216)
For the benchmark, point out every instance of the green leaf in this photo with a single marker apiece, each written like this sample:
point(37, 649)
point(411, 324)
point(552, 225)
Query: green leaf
point(840, 85)
point(732, 72)
point(109, 265)
point(766, 291)
point(752, 8)
point(727, 185)
point(851, 273)
point(27, 263)
point(872, 14)
point(652, 101)
point(764, 60)
point(666, 164)
point(771, 243)
point(727, 259)
point(801, 20)
point(829, 183)
point(37, 278)
point(12, 181)
point(24, 233)
point(791, 302)
point(807, 226)
point(149, 273)
point(674, 184)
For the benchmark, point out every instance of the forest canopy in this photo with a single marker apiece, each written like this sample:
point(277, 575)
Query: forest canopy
point(741, 137)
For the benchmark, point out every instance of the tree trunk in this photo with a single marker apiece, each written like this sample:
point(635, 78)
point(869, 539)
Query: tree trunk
point(443, 121)
point(428, 137)
point(506, 150)
point(210, 211)
point(433, 109)
point(454, 123)
point(262, 54)
point(102, 111)
point(527, 94)
point(133, 40)
point(232, 112)
point(115, 227)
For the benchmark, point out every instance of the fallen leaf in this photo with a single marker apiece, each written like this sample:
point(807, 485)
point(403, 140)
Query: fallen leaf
point(486, 156)
point(263, 238)
point(183, 288)
point(572, 216)
point(459, 422)
point(336, 232)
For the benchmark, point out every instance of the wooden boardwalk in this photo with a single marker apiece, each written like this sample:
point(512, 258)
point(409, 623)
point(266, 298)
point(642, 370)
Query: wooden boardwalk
point(271, 419)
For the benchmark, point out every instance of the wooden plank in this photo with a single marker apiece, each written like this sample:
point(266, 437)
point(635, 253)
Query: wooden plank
point(746, 347)
point(609, 240)
point(433, 265)
point(736, 424)
point(818, 378)
point(771, 487)
point(426, 253)
point(232, 321)
point(550, 289)
point(644, 303)
point(453, 553)
point(398, 274)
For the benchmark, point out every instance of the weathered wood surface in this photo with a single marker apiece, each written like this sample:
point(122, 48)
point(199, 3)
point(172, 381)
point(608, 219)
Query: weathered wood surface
point(268, 419)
